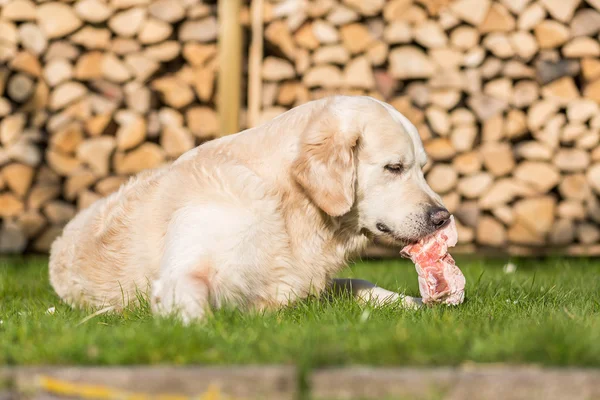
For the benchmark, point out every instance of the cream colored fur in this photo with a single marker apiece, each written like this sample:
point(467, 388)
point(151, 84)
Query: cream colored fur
point(254, 220)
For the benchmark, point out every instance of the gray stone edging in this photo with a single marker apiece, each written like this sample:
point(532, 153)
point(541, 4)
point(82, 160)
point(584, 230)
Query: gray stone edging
point(232, 382)
point(479, 382)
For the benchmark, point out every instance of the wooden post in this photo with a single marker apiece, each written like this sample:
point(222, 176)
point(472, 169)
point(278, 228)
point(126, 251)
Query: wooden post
point(255, 64)
point(230, 66)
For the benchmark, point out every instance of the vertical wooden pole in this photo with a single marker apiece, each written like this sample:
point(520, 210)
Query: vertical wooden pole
point(230, 66)
point(255, 64)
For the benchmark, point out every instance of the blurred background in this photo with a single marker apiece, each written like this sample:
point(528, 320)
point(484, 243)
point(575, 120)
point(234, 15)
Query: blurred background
point(504, 93)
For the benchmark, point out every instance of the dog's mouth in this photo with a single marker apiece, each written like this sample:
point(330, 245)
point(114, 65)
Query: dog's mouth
point(390, 237)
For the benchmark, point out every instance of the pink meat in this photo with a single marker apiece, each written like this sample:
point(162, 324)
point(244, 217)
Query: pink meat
point(440, 280)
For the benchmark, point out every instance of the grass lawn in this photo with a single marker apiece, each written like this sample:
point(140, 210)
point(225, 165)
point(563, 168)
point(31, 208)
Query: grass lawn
point(546, 312)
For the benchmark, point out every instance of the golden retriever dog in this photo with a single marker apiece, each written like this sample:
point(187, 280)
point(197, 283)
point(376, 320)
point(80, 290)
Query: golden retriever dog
point(257, 219)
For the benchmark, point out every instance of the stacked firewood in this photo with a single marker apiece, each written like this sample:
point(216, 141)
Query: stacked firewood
point(505, 95)
point(92, 92)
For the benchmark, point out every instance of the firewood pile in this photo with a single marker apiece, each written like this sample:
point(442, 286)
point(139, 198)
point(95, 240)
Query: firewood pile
point(505, 95)
point(91, 92)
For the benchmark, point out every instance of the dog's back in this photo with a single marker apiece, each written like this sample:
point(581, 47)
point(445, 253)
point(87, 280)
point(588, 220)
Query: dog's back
point(94, 249)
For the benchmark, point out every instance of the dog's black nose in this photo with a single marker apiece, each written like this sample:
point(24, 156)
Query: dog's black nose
point(438, 216)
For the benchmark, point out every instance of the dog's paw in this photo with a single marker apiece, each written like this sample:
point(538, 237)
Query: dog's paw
point(413, 303)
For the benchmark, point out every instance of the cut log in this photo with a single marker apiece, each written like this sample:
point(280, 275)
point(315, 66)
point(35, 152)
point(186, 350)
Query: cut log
point(32, 38)
point(499, 45)
point(355, 37)
point(536, 214)
point(198, 54)
point(93, 11)
point(551, 34)
point(490, 232)
point(175, 93)
point(581, 47)
point(486, 107)
point(409, 62)
point(167, 10)
point(463, 138)
point(442, 178)
point(146, 156)
point(572, 160)
point(277, 69)
point(92, 38)
point(440, 149)
point(342, 15)
point(11, 128)
point(534, 151)
point(593, 177)
point(430, 35)
point(358, 74)
point(19, 10)
point(561, 10)
point(58, 71)
point(571, 209)
point(176, 140)
point(464, 37)
point(498, 158)
point(541, 176)
point(398, 32)
point(18, 178)
point(59, 212)
point(154, 31)
point(498, 19)
point(62, 164)
point(574, 187)
point(31, 223)
point(475, 185)
point(19, 88)
point(67, 139)
point(131, 131)
point(587, 233)
point(86, 199)
point(40, 194)
point(204, 30)
point(467, 163)
point(127, 23)
point(324, 32)
point(26, 62)
point(12, 238)
point(57, 19)
point(110, 184)
point(563, 232)
point(44, 241)
point(586, 22)
point(472, 11)
point(78, 182)
point(163, 52)
point(65, 94)
point(326, 76)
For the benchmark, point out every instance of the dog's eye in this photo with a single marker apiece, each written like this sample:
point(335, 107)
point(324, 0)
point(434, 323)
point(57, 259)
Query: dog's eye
point(395, 168)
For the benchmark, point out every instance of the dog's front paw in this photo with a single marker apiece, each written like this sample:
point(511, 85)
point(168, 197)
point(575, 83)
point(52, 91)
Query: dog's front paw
point(413, 303)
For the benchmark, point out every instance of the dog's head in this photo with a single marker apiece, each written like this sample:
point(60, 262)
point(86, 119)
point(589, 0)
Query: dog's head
point(361, 155)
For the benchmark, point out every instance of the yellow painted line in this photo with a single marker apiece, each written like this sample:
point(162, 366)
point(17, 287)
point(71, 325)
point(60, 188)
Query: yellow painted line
point(97, 392)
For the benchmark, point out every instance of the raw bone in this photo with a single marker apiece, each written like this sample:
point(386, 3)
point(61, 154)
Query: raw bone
point(440, 280)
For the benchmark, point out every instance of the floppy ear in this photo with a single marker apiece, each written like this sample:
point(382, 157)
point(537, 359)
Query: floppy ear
point(326, 166)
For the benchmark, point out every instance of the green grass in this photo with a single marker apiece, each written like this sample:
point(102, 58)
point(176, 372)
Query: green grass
point(546, 312)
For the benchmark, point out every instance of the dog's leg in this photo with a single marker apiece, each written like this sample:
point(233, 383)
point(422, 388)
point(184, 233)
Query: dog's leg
point(183, 287)
point(365, 291)
point(185, 298)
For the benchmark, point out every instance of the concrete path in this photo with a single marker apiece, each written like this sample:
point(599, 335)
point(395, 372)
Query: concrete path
point(278, 382)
